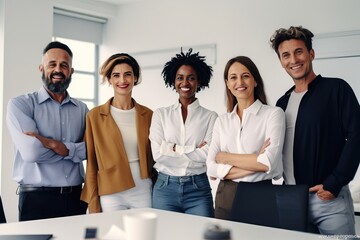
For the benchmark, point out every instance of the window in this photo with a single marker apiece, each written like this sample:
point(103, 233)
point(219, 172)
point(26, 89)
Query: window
point(84, 83)
point(83, 34)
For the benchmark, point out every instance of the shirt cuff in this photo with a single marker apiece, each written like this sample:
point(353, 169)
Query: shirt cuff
point(71, 148)
point(166, 149)
point(184, 149)
point(223, 170)
point(262, 158)
point(179, 149)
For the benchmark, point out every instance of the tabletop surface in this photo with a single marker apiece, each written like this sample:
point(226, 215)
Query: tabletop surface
point(170, 226)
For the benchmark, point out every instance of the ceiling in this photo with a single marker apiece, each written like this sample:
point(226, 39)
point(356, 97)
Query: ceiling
point(119, 2)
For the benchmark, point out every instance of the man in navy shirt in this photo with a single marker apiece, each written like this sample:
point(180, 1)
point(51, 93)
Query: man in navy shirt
point(322, 134)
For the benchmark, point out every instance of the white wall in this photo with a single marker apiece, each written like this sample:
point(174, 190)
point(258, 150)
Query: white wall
point(237, 27)
point(26, 28)
point(2, 12)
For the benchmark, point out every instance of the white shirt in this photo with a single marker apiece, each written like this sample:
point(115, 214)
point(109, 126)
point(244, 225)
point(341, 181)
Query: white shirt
point(291, 115)
point(167, 128)
point(247, 137)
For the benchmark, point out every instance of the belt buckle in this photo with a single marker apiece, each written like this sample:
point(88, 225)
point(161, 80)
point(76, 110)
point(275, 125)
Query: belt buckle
point(65, 190)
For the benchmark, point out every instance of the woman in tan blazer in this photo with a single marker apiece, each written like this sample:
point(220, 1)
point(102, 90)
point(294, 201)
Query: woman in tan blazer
point(120, 164)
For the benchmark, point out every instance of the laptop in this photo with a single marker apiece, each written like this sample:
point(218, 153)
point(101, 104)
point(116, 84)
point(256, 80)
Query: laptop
point(26, 237)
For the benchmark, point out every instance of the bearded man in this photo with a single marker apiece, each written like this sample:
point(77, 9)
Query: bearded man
point(47, 129)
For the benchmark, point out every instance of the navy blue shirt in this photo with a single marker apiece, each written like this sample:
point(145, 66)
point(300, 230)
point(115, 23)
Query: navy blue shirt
point(327, 134)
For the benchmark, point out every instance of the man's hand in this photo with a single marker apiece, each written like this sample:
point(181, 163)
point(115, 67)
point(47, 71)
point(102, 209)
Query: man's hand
point(52, 144)
point(321, 192)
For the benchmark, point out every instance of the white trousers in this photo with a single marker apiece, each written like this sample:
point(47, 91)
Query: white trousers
point(137, 197)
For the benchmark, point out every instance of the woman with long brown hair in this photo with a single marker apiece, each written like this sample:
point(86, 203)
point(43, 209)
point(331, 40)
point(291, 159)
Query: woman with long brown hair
point(247, 141)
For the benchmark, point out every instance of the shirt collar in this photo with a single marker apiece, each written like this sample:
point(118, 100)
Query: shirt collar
point(191, 106)
point(253, 108)
point(44, 96)
point(311, 85)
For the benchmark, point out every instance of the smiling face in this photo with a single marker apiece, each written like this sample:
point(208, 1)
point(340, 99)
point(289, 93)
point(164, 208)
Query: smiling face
point(56, 70)
point(296, 59)
point(241, 83)
point(186, 83)
point(122, 79)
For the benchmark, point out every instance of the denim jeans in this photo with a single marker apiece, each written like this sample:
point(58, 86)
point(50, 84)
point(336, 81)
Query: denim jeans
point(188, 194)
point(333, 217)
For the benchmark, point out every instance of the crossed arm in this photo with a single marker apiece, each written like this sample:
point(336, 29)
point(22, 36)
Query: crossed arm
point(57, 146)
point(32, 145)
point(243, 164)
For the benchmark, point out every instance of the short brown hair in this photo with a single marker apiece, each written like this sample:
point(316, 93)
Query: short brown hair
point(119, 58)
point(283, 34)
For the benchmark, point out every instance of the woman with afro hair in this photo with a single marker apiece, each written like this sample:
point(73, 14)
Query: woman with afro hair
point(180, 135)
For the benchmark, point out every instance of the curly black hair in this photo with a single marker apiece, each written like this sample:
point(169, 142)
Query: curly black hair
point(203, 71)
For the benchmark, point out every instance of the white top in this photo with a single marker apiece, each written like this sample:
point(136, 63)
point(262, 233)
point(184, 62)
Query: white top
point(290, 115)
point(247, 137)
point(167, 128)
point(126, 122)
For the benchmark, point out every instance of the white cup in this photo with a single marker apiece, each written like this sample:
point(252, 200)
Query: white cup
point(140, 225)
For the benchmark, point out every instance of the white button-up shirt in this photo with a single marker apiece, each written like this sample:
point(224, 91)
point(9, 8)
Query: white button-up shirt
point(167, 128)
point(232, 135)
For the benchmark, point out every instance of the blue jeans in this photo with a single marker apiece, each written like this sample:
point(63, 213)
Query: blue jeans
point(333, 217)
point(188, 194)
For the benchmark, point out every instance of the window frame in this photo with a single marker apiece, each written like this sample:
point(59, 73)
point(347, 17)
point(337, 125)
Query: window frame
point(94, 74)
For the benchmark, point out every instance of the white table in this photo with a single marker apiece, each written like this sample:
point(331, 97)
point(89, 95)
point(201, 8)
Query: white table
point(170, 226)
point(357, 207)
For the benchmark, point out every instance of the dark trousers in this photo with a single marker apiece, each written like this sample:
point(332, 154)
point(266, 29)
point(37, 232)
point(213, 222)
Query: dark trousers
point(49, 204)
point(225, 195)
point(224, 199)
point(2, 213)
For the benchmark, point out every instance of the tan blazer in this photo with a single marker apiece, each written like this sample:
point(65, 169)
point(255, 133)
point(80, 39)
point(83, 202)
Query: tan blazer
point(108, 169)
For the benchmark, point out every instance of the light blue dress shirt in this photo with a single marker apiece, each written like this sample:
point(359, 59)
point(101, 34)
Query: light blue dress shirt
point(38, 112)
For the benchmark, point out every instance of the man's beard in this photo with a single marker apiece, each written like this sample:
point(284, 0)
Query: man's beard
point(58, 87)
